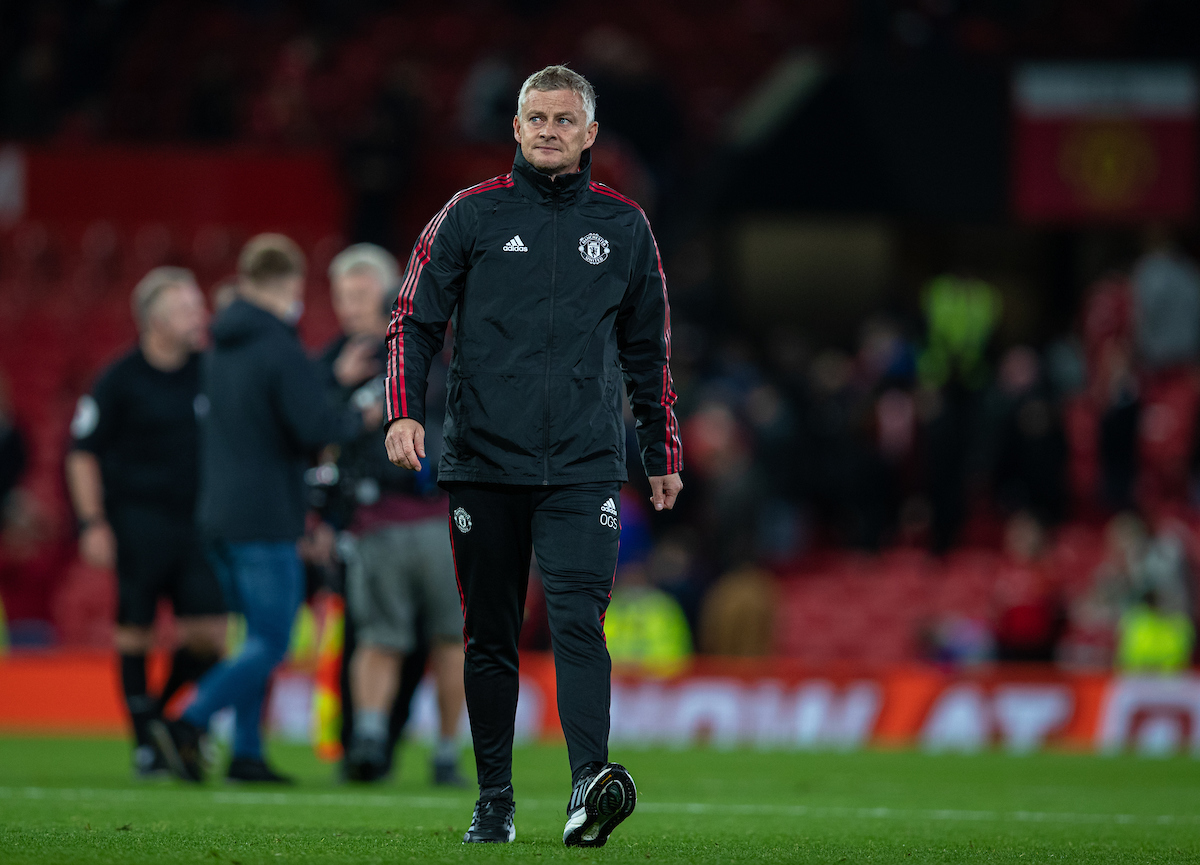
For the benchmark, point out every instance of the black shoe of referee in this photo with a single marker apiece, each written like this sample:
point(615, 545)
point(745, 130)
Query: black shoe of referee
point(598, 804)
point(492, 822)
point(148, 763)
point(180, 744)
point(250, 770)
point(366, 760)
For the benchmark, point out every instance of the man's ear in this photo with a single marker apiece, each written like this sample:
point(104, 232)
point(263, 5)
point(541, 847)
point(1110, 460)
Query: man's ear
point(517, 128)
point(593, 131)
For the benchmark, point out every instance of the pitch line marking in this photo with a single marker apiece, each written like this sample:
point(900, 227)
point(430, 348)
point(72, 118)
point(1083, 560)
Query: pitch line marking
point(357, 800)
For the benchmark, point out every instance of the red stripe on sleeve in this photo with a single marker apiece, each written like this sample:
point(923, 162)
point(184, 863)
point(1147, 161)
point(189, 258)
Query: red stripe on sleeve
point(668, 396)
point(412, 275)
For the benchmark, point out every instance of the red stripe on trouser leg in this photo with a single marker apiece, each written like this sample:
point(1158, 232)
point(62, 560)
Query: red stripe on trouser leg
point(462, 599)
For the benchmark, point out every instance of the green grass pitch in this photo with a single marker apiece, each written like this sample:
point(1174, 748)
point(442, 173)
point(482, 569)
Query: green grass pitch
point(72, 801)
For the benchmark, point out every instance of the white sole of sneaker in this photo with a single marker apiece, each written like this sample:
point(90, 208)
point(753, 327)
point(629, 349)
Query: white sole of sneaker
point(512, 836)
point(609, 798)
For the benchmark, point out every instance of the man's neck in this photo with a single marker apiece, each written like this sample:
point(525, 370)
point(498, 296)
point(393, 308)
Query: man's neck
point(557, 174)
point(165, 355)
point(276, 303)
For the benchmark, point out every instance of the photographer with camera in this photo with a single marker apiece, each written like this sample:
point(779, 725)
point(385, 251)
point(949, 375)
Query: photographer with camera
point(263, 415)
point(399, 568)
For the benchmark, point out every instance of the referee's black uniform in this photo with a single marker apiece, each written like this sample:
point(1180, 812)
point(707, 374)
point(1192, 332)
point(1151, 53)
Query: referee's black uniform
point(140, 423)
point(558, 299)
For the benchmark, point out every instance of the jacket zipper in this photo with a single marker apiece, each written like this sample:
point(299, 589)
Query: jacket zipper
point(550, 348)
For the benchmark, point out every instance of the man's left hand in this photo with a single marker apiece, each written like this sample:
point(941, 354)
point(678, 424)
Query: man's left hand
point(664, 490)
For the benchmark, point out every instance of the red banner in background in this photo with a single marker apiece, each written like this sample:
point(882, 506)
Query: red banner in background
point(763, 703)
point(184, 187)
point(1104, 142)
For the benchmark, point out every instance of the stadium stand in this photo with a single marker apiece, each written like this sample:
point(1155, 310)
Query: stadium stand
point(292, 91)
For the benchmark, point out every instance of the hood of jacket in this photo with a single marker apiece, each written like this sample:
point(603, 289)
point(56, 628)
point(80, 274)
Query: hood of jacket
point(243, 322)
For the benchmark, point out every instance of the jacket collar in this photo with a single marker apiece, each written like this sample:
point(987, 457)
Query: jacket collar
point(564, 189)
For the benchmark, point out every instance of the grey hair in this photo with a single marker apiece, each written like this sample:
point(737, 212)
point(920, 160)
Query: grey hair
point(152, 285)
point(368, 256)
point(560, 78)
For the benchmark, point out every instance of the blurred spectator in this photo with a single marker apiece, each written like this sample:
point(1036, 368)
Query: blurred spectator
point(23, 526)
point(961, 314)
point(485, 103)
point(1103, 420)
point(1030, 619)
point(12, 451)
point(32, 75)
point(1166, 290)
point(632, 100)
point(729, 488)
point(675, 565)
point(738, 617)
point(213, 101)
point(283, 113)
point(378, 158)
point(1030, 463)
point(644, 626)
point(956, 640)
point(1153, 638)
point(850, 480)
point(1117, 431)
point(1136, 566)
point(781, 533)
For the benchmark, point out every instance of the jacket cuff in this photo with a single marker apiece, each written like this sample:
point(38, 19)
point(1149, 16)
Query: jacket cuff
point(390, 419)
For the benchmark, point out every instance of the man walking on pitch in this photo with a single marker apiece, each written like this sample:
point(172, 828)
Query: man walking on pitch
point(267, 415)
point(558, 296)
point(132, 472)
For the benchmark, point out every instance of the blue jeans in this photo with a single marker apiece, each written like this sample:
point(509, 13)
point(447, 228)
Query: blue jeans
point(264, 581)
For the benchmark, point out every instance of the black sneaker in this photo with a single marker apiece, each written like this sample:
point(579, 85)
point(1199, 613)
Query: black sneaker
point(148, 763)
point(492, 822)
point(250, 770)
point(598, 805)
point(446, 774)
point(366, 761)
point(180, 744)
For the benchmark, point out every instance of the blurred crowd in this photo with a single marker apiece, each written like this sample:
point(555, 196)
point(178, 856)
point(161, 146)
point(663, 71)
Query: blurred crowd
point(928, 437)
point(927, 434)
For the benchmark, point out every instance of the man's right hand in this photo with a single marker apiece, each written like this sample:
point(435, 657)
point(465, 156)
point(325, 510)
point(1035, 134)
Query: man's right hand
point(405, 443)
point(98, 545)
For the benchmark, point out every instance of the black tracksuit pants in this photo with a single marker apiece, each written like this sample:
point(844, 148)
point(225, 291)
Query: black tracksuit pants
point(575, 532)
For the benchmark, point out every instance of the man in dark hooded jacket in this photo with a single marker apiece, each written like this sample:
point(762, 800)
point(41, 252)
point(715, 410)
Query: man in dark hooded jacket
point(266, 415)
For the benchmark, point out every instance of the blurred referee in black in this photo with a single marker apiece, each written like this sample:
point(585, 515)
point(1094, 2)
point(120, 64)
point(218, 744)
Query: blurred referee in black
point(132, 473)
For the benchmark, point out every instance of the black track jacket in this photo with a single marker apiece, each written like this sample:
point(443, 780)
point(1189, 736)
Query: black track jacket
point(557, 292)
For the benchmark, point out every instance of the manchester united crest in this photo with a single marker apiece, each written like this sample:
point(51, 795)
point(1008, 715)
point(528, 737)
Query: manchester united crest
point(462, 520)
point(593, 248)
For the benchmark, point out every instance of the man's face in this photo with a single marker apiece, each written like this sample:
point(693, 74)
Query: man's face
point(553, 131)
point(180, 315)
point(358, 302)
